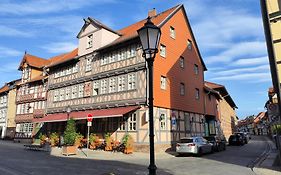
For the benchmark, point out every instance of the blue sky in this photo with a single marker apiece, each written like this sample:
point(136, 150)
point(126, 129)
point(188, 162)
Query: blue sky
point(229, 34)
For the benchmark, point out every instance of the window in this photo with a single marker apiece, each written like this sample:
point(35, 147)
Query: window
point(119, 55)
point(196, 69)
point(103, 60)
point(62, 73)
point(189, 44)
point(62, 94)
point(123, 54)
point(121, 83)
point(68, 71)
point(163, 82)
point(112, 85)
point(75, 68)
point(74, 92)
point(67, 93)
point(103, 86)
point(90, 41)
point(95, 88)
point(182, 62)
point(121, 124)
point(56, 95)
point(88, 64)
point(187, 121)
point(81, 90)
point(111, 58)
point(172, 32)
point(162, 120)
point(162, 50)
point(57, 74)
point(133, 50)
point(131, 81)
point(132, 122)
point(182, 89)
point(197, 95)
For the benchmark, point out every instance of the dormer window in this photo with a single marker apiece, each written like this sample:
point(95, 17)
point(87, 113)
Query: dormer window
point(90, 41)
point(26, 73)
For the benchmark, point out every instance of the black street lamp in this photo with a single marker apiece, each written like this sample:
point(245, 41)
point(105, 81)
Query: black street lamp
point(149, 36)
point(68, 111)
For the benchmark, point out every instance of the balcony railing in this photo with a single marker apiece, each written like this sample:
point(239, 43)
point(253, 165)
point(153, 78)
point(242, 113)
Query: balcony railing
point(31, 97)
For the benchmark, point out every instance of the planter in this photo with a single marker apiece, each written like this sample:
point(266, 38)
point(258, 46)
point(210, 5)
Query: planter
point(128, 150)
point(108, 148)
point(69, 150)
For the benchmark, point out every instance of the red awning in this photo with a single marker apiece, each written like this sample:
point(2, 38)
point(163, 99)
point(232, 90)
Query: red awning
point(79, 115)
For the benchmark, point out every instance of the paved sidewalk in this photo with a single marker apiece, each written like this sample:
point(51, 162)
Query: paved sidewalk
point(268, 165)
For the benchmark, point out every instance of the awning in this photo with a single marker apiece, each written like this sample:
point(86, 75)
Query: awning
point(80, 115)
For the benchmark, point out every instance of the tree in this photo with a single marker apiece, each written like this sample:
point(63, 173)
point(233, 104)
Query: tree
point(70, 133)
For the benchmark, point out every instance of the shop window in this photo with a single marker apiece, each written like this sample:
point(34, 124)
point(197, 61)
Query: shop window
point(132, 122)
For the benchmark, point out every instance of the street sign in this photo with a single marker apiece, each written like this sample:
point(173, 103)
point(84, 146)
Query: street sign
point(89, 123)
point(89, 117)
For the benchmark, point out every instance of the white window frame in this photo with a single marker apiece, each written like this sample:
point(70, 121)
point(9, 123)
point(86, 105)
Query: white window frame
point(132, 81)
point(74, 92)
point(88, 64)
point(163, 82)
point(172, 32)
point(163, 121)
point(163, 50)
point(132, 122)
point(196, 69)
point(182, 89)
point(112, 85)
point(121, 83)
point(67, 93)
point(62, 92)
point(75, 68)
point(96, 87)
point(80, 90)
point(103, 85)
point(181, 61)
point(90, 41)
point(56, 95)
point(197, 94)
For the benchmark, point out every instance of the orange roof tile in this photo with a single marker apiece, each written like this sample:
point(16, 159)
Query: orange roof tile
point(130, 32)
point(5, 88)
point(213, 85)
point(33, 61)
point(62, 58)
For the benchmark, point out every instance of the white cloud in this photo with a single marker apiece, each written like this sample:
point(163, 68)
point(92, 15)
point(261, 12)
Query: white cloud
point(9, 52)
point(250, 77)
point(9, 67)
point(242, 49)
point(13, 32)
point(257, 69)
point(45, 6)
point(60, 47)
point(251, 61)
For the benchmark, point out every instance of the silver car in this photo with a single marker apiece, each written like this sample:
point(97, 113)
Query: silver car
point(194, 145)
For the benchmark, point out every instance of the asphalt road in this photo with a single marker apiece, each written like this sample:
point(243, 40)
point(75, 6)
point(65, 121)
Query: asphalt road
point(14, 160)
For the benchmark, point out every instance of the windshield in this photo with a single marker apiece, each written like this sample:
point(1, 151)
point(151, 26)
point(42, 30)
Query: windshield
point(186, 141)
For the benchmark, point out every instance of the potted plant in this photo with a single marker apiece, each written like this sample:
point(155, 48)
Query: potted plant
point(54, 139)
point(128, 142)
point(69, 138)
point(43, 138)
point(78, 140)
point(93, 138)
point(108, 142)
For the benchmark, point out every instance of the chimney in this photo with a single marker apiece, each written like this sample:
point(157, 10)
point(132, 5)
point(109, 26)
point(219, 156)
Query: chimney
point(152, 12)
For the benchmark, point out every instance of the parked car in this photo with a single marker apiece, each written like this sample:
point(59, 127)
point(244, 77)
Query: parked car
point(218, 142)
point(193, 145)
point(236, 139)
point(244, 136)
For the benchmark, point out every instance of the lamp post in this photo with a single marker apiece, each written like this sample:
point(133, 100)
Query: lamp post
point(149, 36)
point(68, 111)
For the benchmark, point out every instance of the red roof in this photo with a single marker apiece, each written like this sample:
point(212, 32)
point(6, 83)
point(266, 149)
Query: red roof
point(33, 61)
point(79, 115)
point(62, 58)
point(5, 88)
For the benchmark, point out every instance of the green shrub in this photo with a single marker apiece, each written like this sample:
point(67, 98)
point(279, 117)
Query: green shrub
point(276, 129)
point(128, 141)
point(93, 138)
point(54, 139)
point(70, 133)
